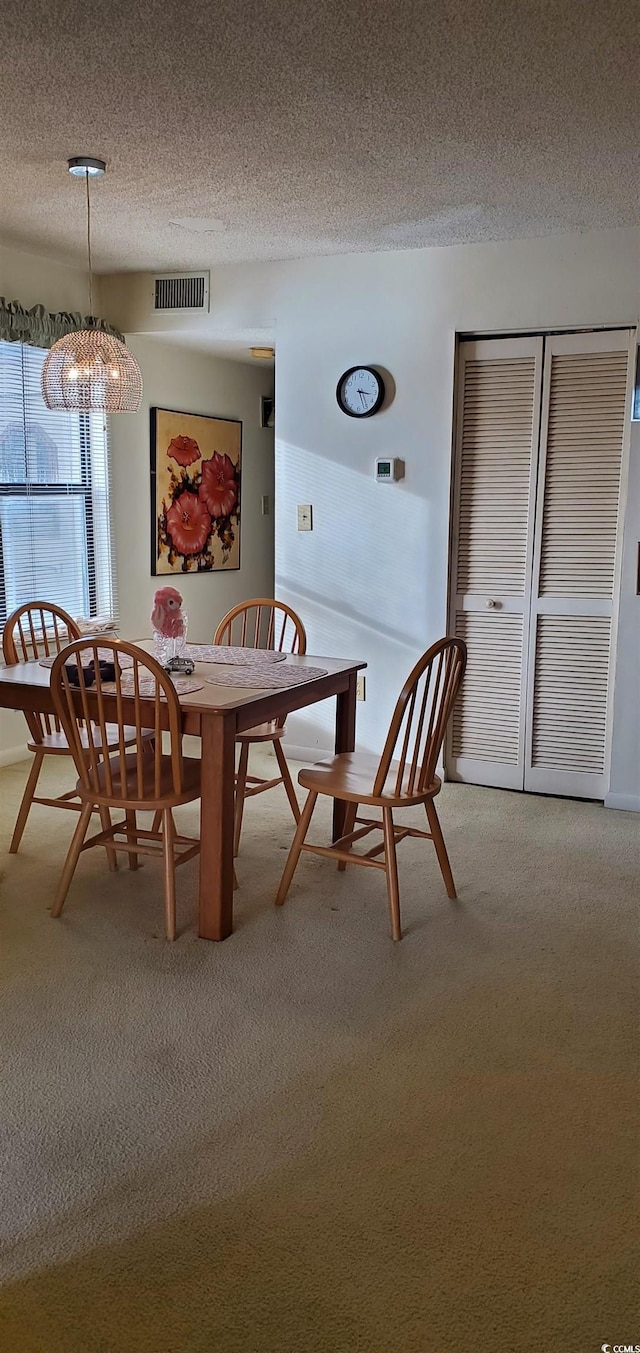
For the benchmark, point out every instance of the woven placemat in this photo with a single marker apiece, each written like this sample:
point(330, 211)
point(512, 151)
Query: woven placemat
point(104, 655)
point(234, 657)
point(270, 678)
point(147, 686)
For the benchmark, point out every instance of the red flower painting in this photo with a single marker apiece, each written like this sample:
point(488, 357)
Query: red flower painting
point(183, 449)
point(188, 523)
point(196, 471)
point(219, 489)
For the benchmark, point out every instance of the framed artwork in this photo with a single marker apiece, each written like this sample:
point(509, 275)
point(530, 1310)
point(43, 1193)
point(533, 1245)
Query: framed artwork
point(195, 492)
point(267, 412)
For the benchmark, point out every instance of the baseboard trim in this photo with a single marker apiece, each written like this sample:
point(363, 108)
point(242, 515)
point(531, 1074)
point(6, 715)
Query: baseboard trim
point(628, 802)
point(306, 754)
point(11, 755)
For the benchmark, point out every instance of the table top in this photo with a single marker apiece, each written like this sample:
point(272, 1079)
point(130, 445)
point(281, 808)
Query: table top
point(210, 698)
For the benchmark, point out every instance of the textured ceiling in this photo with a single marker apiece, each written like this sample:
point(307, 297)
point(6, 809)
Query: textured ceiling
point(314, 128)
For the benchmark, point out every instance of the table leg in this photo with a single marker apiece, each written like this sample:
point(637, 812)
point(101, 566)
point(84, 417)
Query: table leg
point(345, 742)
point(216, 826)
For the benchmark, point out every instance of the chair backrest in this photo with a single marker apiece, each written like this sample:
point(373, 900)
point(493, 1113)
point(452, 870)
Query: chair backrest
point(263, 622)
point(36, 630)
point(420, 718)
point(87, 709)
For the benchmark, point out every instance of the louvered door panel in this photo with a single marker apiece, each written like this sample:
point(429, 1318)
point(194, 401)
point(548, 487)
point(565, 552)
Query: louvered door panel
point(585, 414)
point(570, 698)
point(486, 719)
point(495, 472)
point(496, 448)
point(587, 407)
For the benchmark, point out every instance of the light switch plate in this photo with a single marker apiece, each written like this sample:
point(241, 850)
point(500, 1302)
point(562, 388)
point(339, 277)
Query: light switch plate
point(305, 517)
point(361, 687)
point(265, 504)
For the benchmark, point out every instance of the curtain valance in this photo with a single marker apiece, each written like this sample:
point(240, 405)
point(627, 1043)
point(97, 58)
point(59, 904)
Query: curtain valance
point(40, 329)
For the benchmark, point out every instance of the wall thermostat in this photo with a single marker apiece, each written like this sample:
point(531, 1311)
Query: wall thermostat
point(389, 469)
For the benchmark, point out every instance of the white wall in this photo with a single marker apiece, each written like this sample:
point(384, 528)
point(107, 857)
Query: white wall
point(176, 378)
point(35, 281)
point(371, 579)
point(625, 779)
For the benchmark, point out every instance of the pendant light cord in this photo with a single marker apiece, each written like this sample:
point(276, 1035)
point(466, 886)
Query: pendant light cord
point(89, 245)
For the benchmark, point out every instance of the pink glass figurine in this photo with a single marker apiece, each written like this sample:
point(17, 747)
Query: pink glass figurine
point(169, 623)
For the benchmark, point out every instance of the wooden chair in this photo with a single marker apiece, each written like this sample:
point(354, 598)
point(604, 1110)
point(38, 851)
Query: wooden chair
point(262, 623)
point(137, 778)
point(404, 776)
point(36, 630)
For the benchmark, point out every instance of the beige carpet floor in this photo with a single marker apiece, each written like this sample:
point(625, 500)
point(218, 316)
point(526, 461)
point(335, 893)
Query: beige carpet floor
point(309, 1139)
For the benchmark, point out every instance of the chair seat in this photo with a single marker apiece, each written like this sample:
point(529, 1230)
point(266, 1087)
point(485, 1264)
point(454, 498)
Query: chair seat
point(351, 776)
point(56, 743)
point(263, 732)
point(150, 798)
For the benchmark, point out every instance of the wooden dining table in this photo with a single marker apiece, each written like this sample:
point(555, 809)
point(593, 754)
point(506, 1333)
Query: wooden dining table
point(215, 714)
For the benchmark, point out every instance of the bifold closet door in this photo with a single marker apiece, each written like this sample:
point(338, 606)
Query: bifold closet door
point(497, 433)
point(585, 409)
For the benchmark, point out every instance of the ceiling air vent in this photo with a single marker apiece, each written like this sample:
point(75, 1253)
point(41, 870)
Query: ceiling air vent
point(186, 291)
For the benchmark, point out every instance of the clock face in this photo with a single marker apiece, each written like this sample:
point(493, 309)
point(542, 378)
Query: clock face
point(360, 391)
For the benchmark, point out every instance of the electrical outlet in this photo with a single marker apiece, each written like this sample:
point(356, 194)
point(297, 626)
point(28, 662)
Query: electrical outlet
point(305, 517)
point(361, 689)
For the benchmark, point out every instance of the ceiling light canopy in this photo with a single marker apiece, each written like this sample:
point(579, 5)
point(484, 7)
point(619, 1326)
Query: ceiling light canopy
point(90, 370)
point(85, 165)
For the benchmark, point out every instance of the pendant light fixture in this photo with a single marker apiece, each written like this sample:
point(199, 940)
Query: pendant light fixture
point(90, 370)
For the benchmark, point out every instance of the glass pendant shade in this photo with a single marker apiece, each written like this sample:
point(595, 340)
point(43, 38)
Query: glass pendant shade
point(91, 371)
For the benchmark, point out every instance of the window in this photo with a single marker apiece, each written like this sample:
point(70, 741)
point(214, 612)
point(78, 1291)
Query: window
point(55, 539)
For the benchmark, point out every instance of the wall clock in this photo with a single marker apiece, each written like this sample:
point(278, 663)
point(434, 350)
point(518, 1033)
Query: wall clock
point(360, 391)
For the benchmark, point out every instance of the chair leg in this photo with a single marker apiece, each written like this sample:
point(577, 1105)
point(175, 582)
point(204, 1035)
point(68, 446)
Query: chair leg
point(27, 800)
point(296, 847)
point(286, 779)
point(131, 834)
point(168, 831)
point(441, 849)
point(349, 823)
point(156, 825)
point(73, 854)
point(391, 864)
point(105, 823)
point(241, 784)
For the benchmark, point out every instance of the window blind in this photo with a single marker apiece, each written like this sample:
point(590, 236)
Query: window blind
point(55, 528)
